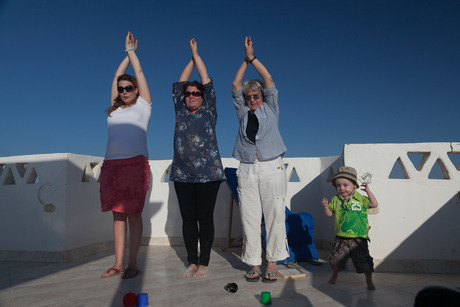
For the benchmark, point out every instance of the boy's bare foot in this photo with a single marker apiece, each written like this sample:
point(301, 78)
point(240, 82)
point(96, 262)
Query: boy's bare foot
point(201, 272)
point(190, 270)
point(370, 284)
point(333, 278)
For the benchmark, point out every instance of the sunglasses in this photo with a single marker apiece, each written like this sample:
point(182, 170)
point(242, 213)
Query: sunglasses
point(194, 94)
point(128, 89)
point(255, 97)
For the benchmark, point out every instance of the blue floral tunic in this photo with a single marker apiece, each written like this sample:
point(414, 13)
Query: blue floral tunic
point(196, 154)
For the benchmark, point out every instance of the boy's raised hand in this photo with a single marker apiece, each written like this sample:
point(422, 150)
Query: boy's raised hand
point(366, 187)
point(324, 202)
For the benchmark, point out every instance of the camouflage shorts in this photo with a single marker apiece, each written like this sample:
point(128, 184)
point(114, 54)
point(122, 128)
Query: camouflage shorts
point(354, 248)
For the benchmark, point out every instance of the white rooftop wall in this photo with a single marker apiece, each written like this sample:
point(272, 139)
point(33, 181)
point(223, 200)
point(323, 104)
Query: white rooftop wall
point(417, 227)
point(51, 211)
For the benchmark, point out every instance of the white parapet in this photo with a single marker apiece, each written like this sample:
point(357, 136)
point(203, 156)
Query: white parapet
point(417, 227)
point(50, 205)
point(51, 210)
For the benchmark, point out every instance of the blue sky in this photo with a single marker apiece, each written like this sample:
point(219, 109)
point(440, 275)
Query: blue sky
point(346, 71)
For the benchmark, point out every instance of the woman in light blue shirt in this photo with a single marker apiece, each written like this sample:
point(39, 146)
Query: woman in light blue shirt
point(261, 177)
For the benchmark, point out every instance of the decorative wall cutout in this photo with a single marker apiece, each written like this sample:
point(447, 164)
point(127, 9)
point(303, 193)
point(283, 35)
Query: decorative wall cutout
point(9, 178)
point(454, 158)
point(435, 174)
point(33, 177)
point(91, 171)
point(21, 168)
point(293, 177)
point(398, 171)
point(418, 161)
point(165, 177)
point(96, 169)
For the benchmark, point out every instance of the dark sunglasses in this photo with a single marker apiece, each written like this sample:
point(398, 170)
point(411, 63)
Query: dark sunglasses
point(248, 97)
point(194, 94)
point(128, 89)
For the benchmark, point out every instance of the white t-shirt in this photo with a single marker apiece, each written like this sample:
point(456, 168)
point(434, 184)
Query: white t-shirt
point(127, 131)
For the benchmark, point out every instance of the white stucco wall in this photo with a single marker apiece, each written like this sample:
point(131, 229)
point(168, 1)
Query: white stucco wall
point(415, 229)
point(417, 224)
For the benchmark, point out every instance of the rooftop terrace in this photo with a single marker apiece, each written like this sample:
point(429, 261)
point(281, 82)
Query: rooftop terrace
point(78, 283)
point(55, 242)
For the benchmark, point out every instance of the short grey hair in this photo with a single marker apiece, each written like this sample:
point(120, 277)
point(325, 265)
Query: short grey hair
point(254, 85)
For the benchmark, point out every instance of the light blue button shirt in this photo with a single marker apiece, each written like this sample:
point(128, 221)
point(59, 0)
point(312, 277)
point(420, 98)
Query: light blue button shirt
point(269, 144)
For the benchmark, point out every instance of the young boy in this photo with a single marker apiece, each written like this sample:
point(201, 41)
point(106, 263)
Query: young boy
point(351, 224)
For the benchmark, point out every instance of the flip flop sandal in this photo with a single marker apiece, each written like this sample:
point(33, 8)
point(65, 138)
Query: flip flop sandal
point(114, 274)
point(253, 279)
point(267, 279)
point(126, 276)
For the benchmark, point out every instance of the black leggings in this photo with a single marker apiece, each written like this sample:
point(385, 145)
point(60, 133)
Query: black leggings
point(196, 203)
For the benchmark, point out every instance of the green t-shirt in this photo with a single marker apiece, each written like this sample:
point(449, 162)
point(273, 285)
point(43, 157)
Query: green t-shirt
point(351, 217)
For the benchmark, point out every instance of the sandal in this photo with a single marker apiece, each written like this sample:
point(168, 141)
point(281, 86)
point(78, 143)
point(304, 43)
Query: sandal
point(267, 276)
point(116, 272)
point(253, 279)
point(126, 276)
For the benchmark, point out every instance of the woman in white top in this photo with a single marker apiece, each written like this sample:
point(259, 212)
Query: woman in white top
point(125, 174)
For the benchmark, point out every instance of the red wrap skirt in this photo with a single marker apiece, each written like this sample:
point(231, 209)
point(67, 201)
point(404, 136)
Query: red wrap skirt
point(124, 184)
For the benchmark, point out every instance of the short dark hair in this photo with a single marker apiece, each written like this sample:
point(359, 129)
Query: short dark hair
point(196, 84)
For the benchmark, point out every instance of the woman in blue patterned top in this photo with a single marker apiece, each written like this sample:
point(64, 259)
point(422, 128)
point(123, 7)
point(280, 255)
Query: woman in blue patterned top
point(196, 169)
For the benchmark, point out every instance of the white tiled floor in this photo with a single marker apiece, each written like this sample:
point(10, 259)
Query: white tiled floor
point(78, 283)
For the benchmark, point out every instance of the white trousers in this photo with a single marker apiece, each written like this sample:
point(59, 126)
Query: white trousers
point(262, 187)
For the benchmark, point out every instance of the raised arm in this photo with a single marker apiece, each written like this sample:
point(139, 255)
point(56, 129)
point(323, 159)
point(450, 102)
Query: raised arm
point(261, 70)
point(120, 71)
point(185, 75)
point(373, 203)
point(327, 211)
point(131, 46)
point(236, 85)
point(200, 67)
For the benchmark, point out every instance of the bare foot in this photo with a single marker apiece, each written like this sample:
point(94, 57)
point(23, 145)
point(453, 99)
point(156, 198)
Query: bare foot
point(370, 284)
point(201, 272)
point(333, 278)
point(255, 270)
point(114, 271)
point(271, 271)
point(254, 274)
point(190, 270)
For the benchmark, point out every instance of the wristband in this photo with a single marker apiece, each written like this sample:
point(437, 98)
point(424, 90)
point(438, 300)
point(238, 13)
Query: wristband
point(250, 62)
point(129, 49)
